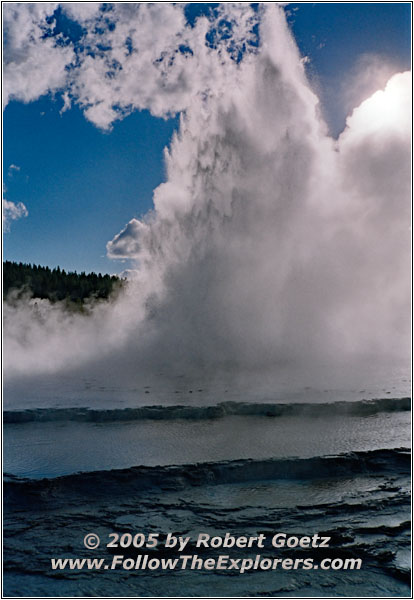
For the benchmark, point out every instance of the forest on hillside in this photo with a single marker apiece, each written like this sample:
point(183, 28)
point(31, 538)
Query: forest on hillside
point(57, 284)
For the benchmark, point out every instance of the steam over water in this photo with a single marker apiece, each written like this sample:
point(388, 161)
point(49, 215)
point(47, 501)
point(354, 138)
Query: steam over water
point(270, 246)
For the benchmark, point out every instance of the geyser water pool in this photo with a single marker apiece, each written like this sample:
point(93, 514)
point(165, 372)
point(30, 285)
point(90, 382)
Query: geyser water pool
point(52, 449)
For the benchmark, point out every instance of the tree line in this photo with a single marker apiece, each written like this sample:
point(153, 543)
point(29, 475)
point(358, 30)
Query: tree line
point(57, 284)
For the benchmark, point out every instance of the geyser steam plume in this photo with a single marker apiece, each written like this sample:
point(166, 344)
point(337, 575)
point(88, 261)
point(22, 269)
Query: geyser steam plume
point(270, 243)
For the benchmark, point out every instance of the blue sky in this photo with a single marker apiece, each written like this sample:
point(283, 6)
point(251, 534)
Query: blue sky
point(79, 184)
point(82, 185)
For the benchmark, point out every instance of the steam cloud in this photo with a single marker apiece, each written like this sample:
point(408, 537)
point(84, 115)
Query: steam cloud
point(270, 243)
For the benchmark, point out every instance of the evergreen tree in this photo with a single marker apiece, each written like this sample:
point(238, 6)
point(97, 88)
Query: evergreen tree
point(56, 284)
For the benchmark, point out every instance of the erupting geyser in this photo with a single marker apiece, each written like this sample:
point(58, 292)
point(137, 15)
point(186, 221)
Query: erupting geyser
point(270, 242)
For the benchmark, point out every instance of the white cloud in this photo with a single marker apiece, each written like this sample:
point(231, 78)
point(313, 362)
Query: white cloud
point(82, 12)
point(132, 56)
point(34, 64)
point(127, 243)
point(13, 169)
point(67, 102)
point(11, 212)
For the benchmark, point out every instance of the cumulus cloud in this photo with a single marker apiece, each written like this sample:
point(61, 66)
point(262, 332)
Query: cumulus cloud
point(82, 12)
point(11, 212)
point(130, 56)
point(127, 243)
point(34, 62)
